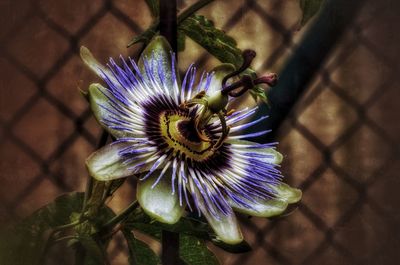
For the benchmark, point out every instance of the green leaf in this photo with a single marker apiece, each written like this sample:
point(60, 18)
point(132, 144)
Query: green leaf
point(139, 252)
point(194, 251)
point(145, 36)
point(186, 225)
point(95, 251)
point(214, 40)
point(309, 8)
point(181, 41)
point(242, 247)
point(154, 7)
point(25, 243)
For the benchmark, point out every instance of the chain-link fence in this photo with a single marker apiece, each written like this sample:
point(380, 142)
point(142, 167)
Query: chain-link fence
point(341, 141)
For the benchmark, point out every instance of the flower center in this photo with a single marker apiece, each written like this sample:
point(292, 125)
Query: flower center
point(179, 132)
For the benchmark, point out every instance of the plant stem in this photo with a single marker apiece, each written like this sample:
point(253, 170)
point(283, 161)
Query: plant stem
point(170, 248)
point(120, 217)
point(168, 21)
point(80, 252)
point(184, 15)
point(168, 29)
point(89, 183)
point(62, 227)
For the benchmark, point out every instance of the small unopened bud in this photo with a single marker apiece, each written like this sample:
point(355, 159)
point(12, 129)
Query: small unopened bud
point(270, 79)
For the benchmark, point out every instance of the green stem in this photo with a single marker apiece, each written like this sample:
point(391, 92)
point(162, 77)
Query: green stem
point(80, 252)
point(64, 238)
point(62, 227)
point(50, 240)
point(121, 216)
point(89, 183)
point(184, 15)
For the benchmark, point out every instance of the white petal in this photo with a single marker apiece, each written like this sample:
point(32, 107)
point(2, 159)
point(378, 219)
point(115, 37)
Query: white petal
point(267, 208)
point(242, 146)
point(225, 227)
point(159, 202)
point(287, 193)
point(106, 164)
point(108, 112)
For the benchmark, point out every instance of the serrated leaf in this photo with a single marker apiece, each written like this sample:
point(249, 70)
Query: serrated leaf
point(214, 40)
point(139, 252)
point(154, 7)
point(194, 251)
point(309, 8)
point(242, 247)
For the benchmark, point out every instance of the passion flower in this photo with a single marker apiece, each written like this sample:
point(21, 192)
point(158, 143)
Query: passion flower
point(183, 143)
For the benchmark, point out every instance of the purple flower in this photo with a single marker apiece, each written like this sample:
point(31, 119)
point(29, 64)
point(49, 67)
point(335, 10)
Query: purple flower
point(181, 142)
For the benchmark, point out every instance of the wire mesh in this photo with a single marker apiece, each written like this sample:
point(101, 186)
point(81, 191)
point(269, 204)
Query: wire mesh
point(340, 141)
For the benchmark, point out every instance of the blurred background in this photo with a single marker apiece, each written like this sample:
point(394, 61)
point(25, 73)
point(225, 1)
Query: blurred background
point(340, 142)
